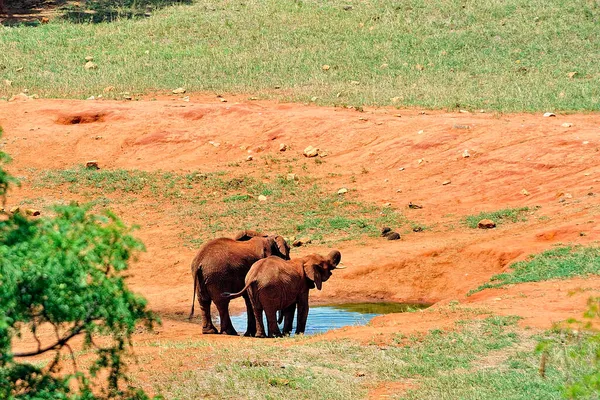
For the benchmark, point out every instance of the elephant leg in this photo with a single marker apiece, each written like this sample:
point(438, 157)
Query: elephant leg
point(207, 325)
point(302, 313)
point(251, 329)
point(226, 325)
point(271, 315)
point(258, 314)
point(288, 319)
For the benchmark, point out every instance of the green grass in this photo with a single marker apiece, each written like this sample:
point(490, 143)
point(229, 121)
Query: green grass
point(480, 359)
point(512, 55)
point(211, 205)
point(560, 263)
point(499, 217)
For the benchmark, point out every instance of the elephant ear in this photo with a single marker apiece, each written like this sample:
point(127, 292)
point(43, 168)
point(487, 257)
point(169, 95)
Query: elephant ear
point(313, 273)
point(282, 247)
point(334, 258)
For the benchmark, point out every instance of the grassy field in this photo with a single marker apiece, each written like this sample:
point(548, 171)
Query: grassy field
point(560, 263)
point(514, 55)
point(211, 205)
point(499, 217)
point(481, 359)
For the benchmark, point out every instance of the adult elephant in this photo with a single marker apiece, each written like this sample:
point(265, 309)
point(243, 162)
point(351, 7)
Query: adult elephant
point(274, 284)
point(221, 266)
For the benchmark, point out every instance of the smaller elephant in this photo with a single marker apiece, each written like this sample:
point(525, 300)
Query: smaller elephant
point(274, 284)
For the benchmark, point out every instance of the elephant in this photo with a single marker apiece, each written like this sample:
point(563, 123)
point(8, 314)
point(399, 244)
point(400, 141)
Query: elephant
point(221, 265)
point(274, 284)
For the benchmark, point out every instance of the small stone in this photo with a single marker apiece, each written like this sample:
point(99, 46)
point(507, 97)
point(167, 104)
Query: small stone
point(414, 206)
point(348, 8)
point(401, 169)
point(420, 160)
point(283, 147)
point(92, 165)
point(568, 196)
point(222, 100)
point(301, 242)
point(313, 99)
point(420, 132)
point(398, 190)
point(262, 198)
point(460, 126)
point(342, 191)
point(466, 154)
point(292, 177)
point(549, 114)
point(572, 74)
point(585, 142)
point(418, 229)
point(359, 374)
point(91, 98)
point(109, 89)
point(567, 125)
point(15, 210)
point(186, 98)
point(385, 230)
point(90, 65)
point(259, 149)
point(89, 58)
point(463, 111)
point(244, 147)
point(97, 137)
point(216, 144)
point(32, 212)
point(446, 183)
point(524, 192)
point(325, 67)
point(323, 154)
point(249, 158)
point(355, 83)
point(486, 224)
point(419, 67)
point(127, 97)
point(311, 151)
point(392, 236)
point(179, 90)
point(387, 204)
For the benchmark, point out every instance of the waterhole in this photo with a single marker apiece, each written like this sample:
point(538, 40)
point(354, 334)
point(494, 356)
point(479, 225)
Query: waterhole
point(332, 316)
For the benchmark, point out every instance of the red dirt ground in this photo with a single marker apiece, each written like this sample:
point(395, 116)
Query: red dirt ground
point(558, 166)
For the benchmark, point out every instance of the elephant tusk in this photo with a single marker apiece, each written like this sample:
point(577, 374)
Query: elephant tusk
point(341, 267)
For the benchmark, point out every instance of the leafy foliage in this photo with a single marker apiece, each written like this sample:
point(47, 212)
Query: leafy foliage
point(63, 275)
point(561, 263)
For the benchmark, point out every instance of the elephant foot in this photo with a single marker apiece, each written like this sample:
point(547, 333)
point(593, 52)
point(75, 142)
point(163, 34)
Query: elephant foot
point(250, 334)
point(209, 331)
point(231, 332)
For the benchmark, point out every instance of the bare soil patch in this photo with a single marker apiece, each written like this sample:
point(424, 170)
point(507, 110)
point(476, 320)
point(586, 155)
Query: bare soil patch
point(382, 156)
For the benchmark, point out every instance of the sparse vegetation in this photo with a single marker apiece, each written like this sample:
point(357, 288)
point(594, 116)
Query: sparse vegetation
point(499, 217)
point(514, 55)
point(221, 203)
point(560, 263)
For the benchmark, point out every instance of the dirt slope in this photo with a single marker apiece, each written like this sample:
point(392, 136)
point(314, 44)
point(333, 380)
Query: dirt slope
point(558, 166)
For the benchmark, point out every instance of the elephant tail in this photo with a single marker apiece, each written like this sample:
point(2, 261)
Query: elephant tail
point(196, 283)
point(228, 295)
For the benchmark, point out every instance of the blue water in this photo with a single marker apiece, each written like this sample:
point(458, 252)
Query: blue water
point(324, 318)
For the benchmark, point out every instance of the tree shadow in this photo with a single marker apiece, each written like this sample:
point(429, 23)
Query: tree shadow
point(36, 12)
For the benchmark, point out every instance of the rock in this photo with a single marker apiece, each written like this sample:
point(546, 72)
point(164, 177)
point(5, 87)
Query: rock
point(549, 114)
point(249, 158)
point(420, 160)
point(259, 149)
point(325, 67)
point(323, 154)
point(342, 191)
point(262, 198)
point(20, 97)
point(524, 192)
point(355, 83)
point(223, 100)
point(301, 242)
point(585, 142)
point(32, 212)
point(216, 144)
point(420, 132)
point(446, 183)
point(392, 236)
point(401, 169)
point(186, 98)
point(348, 8)
point(15, 210)
point(460, 126)
point(385, 230)
point(463, 112)
point(572, 74)
point(311, 151)
point(387, 204)
point(109, 89)
point(418, 229)
point(486, 224)
point(466, 154)
point(292, 177)
point(91, 98)
point(414, 206)
point(283, 147)
point(179, 90)
point(89, 58)
point(92, 165)
point(314, 98)
point(127, 97)
point(567, 125)
point(90, 65)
